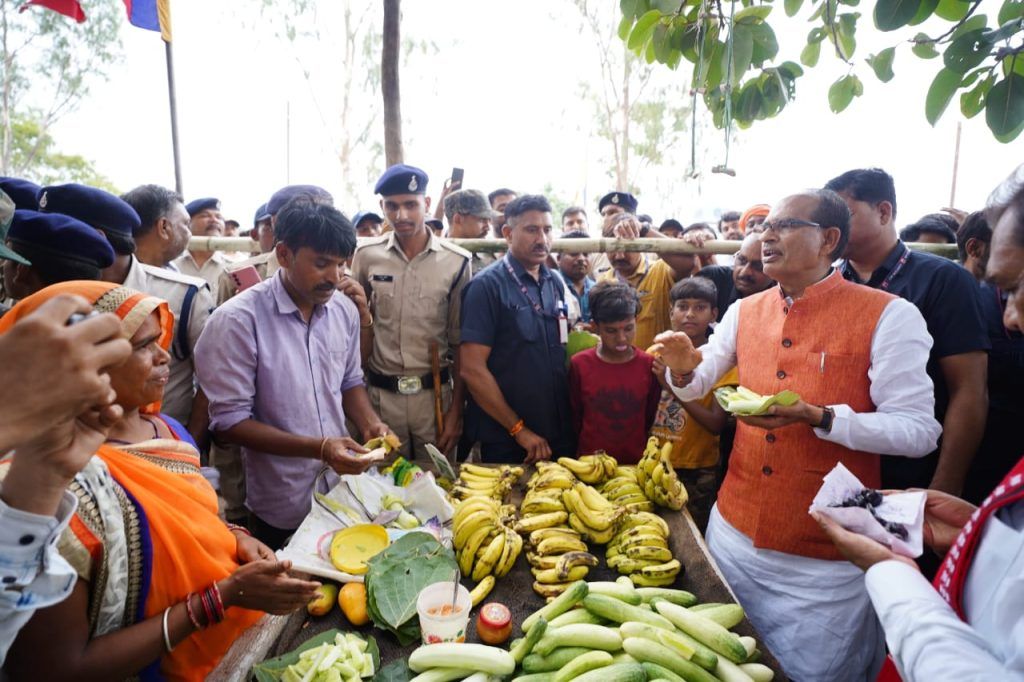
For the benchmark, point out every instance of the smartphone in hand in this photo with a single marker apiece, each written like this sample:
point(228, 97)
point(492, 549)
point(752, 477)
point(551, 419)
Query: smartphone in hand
point(457, 174)
point(245, 277)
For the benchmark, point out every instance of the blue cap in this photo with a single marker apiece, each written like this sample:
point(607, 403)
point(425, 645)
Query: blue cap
point(6, 216)
point(92, 206)
point(624, 199)
point(200, 205)
point(282, 196)
point(23, 193)
point(261, 214)
point(401, 179)
point(60, 236)
point(365, 214)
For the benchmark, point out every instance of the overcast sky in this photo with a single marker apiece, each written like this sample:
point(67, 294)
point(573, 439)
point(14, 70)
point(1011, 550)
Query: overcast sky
point(498, 97)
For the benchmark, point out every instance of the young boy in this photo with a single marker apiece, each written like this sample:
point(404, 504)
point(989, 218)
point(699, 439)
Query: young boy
point(612, 389)
point(693, 427)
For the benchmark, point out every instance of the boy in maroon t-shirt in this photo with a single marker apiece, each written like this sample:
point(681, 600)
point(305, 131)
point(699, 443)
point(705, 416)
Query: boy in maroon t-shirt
point(612, 390)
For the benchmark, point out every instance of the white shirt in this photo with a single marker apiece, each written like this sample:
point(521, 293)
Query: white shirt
point(903, 422)
point(929, 641)
point(33, 574)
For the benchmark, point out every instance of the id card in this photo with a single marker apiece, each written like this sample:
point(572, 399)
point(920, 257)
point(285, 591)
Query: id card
point(563, 329)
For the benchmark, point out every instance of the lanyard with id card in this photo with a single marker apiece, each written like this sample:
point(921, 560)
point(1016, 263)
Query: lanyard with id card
point(563, 309)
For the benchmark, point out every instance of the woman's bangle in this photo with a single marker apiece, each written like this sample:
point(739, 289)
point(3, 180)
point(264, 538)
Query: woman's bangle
point(218, 603)
point(191, 615)
point(204, 599)
point(167, 636)
point(323, 444)
point(234, 526)
point(516, 428)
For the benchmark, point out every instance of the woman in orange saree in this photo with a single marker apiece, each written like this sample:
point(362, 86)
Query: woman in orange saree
point(165, 587)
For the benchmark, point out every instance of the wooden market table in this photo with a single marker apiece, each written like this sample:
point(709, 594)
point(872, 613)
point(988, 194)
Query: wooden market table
point(276, 635)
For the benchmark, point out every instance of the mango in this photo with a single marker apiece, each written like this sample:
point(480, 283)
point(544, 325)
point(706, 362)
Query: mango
point(322, 603)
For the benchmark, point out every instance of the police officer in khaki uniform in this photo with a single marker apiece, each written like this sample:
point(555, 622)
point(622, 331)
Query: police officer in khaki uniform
point(469, 216)
point(414, 282)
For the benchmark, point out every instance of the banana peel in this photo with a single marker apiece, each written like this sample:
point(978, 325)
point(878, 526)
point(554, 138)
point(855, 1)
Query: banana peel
point(742, 401)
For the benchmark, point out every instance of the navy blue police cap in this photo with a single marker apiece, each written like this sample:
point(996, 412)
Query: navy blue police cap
point(96, 207)
point(401, 179)
point(624, 199)
point(282, 196)
point(199, 205)
point(366, 214)
point(261, 214)
point(60, 236)
point(23, 193)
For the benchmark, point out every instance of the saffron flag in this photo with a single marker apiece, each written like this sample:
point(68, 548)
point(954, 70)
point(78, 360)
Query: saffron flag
point(69, 8)
point(152, 15)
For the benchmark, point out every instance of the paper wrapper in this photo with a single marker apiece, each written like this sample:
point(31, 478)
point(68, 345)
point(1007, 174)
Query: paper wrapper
point(906, 509)
point(307, 549)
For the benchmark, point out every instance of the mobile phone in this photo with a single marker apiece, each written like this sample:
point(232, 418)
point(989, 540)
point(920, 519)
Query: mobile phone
point(245, 277)
point(457, 176)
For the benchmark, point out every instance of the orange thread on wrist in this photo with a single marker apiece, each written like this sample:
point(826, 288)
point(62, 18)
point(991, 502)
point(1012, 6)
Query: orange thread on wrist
point(516, 428)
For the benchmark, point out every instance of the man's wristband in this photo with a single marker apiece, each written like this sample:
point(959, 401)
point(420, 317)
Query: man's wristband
point(516, 428)
point(367, 325)
point(828, 416)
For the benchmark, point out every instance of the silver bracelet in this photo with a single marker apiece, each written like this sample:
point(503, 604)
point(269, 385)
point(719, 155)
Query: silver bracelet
point(167, 637)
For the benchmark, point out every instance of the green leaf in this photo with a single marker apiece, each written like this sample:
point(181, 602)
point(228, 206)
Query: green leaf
point(925, 10)
point(816, 35)
point(1004, 107)
point(649, 55)
point(273, 669)
point(792, 7)
point(973, 101)
point(674, 57)
point(643, 29)
point(809, 55)
point(881, 64)
point(1007, 30)
point(624, 27)
point(846, 31)
point(753, 14)
point(893, 14)
point(940, 93)
point(716, 66)
point(748, 104)
point(923, 47)
point(790, 70)
point(395, 671)
point(967, 51)
point(952, 10)
point(742, 51)
point(766, 46)
point(843, 91)
point(660, 41)
point(628, 8)
point(978, 21)
point(666, 6)
point(1011, 9)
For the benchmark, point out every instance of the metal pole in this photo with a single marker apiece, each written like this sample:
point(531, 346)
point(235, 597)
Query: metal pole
point(956, 167)
point(288, 142)
point(173, 100)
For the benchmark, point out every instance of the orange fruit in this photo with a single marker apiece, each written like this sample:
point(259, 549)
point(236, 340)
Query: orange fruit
point(352, 600)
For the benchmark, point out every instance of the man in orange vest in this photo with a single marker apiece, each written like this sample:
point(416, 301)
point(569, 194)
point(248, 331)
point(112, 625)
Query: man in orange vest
point(857, 357)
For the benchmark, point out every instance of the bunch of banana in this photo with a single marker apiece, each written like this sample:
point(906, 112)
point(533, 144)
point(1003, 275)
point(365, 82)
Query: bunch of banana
point(594, 469)
point(558, 557)
point(484, 541)
point(550, 475)
point(657, 478)
point(590, 514)
point(625, 492)
point(640, 550)
point(476, 481)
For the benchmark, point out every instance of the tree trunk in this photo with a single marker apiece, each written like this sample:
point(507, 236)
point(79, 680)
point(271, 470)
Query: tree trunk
point(393, 151)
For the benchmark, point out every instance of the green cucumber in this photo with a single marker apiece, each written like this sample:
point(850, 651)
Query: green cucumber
point(473, 657)
point(442, 675)
point(581, 635)
point(750, 644)
point(726, 615)
point(559, 605)
point(681, 597)
point(535, 663)
point(623, 657)
point(703, 630)
point(581, 664)
point(575, 616)
point(522, 647)
point(679, 643)
point(727, 671)
point(758, 672)
point(646, 651)
point(660, 672)
point(535, 677)
point(618, 590)
point(621, 612)
point(707, 605)
point(621, 672)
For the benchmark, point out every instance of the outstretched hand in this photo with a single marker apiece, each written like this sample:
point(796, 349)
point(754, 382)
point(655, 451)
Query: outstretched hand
point(677, 352)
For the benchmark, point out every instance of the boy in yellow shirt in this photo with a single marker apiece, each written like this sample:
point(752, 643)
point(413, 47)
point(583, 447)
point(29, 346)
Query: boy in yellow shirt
point(693, 427)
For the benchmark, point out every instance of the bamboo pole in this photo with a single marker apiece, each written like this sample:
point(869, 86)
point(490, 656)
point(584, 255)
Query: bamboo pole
point(596, 245)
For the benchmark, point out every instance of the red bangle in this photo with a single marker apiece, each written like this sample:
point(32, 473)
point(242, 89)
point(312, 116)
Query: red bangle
point(516, 428)
point(218, 603)
point(233, 527)
point(191, 614)
point(205, 599)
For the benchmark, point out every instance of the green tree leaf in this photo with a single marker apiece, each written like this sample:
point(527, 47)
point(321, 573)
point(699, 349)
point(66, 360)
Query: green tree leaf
point(625, 26)
point(742, 51)
point(628, 8)
point(753, 14)
point(642, 31)
point(660, 41)
point(792, 7)
point(847, 31)
point(1011, 9)
point(881, 64)
point(766, 46)
point(924, 11)
point(967, 51)
point(893, 14)
point(748, 104)
point(923, 47)
point(649, 55)
point(978, 21)
point(952, 10)
point(1004, 108)
point(941, 91)
point(843, 91)
point(973, 101)
point(809, 55)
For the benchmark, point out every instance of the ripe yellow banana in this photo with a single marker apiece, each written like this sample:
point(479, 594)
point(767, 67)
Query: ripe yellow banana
point(540, 561)
point(528, 524)
point(550, 590)
point(648, 553)
point(469, 552)
point(667, 569)
point(477, 470)
point(560, 545)
point(593, 499)
point(545, 533)
point(570, 560)
point(641, 580)
point(550, 575)
point(487, 557)
point(634, 507)
point(542, 505)
point(482, 589)
point(470, 524)
point(515, 544)
point(648, 539)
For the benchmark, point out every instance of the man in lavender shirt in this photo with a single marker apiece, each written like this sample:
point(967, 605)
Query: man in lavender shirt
point(281, 366)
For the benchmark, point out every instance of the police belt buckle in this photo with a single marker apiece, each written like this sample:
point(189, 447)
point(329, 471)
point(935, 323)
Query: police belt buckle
point(409, 385)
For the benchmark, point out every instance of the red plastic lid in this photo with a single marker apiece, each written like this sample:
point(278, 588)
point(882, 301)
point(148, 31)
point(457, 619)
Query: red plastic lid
point(495, 615)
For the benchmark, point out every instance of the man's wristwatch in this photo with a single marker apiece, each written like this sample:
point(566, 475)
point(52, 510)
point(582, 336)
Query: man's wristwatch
point(828, 415)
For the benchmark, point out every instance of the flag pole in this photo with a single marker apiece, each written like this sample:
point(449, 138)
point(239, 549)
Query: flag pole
point(173, 101)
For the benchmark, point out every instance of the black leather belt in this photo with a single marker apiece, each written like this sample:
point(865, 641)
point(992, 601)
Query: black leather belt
point(406, 385)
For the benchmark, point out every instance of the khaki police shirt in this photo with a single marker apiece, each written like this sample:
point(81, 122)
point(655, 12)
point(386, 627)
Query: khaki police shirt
point(172, 286)
point(413, 302)
point(266, 265)
point(211, 271)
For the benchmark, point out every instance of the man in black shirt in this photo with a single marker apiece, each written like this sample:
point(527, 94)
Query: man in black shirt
point(744, 277)
point(948, 298)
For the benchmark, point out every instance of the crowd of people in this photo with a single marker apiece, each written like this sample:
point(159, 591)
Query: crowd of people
point(176, 406)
